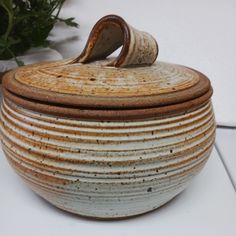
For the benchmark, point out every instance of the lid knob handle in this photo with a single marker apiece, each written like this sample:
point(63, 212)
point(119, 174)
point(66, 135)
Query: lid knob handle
point(111, 32)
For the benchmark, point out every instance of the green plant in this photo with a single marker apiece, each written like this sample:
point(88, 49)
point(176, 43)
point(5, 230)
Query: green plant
point(27, 23)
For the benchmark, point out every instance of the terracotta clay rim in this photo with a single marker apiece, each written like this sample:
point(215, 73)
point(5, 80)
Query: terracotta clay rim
point(111, 114)
point(95, 102)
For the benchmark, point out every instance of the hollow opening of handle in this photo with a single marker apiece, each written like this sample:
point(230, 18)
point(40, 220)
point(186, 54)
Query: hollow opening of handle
point(109, 34)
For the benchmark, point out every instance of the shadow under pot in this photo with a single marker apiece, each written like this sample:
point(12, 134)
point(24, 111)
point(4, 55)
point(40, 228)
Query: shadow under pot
point(108, 138)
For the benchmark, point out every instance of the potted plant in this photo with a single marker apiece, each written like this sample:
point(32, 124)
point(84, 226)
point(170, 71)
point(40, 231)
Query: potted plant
point(26, 24)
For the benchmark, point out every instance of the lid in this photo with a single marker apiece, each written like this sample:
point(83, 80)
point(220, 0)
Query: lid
point(93, 87)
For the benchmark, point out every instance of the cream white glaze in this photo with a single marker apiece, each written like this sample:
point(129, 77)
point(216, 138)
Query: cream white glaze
point(107, 169)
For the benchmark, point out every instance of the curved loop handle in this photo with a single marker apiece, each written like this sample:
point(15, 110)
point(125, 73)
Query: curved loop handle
point(111, 32)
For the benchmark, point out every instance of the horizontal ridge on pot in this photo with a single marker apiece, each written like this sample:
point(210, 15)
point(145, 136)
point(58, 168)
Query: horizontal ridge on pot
point(106, 163)
point(116, 93)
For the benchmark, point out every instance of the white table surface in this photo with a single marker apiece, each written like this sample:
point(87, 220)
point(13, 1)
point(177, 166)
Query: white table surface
point(200, 34)
point(206, 207)
point(226, 145)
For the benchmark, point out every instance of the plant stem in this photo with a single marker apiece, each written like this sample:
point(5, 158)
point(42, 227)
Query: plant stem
point(18, 62)
point(59, 9)
point(10, 22)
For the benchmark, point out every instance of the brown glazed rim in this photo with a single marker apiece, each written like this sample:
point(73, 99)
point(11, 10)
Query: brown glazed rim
point(110, 114)
point(95, 102)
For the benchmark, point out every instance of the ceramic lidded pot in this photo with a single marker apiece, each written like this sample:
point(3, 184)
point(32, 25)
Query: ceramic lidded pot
point(108, 138)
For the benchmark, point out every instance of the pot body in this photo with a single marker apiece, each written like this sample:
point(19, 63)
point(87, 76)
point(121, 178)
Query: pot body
point(107, 169)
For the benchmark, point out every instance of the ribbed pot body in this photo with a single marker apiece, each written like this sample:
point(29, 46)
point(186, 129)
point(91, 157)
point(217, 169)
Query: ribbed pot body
point(107, 169)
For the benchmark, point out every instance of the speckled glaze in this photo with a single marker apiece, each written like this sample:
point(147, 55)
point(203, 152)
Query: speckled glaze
point(103, 140)
point(107, 169)
point(97, 92)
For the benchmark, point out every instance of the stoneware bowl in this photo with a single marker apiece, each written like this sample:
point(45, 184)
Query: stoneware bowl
point(108, 138)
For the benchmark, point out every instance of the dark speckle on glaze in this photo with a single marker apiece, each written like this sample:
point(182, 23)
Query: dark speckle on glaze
point(149, 189)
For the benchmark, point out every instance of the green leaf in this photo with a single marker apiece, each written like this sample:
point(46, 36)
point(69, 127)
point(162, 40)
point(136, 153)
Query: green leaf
point(70, 21)
point(3, 42)
point(12, 41)
point(26, 24)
